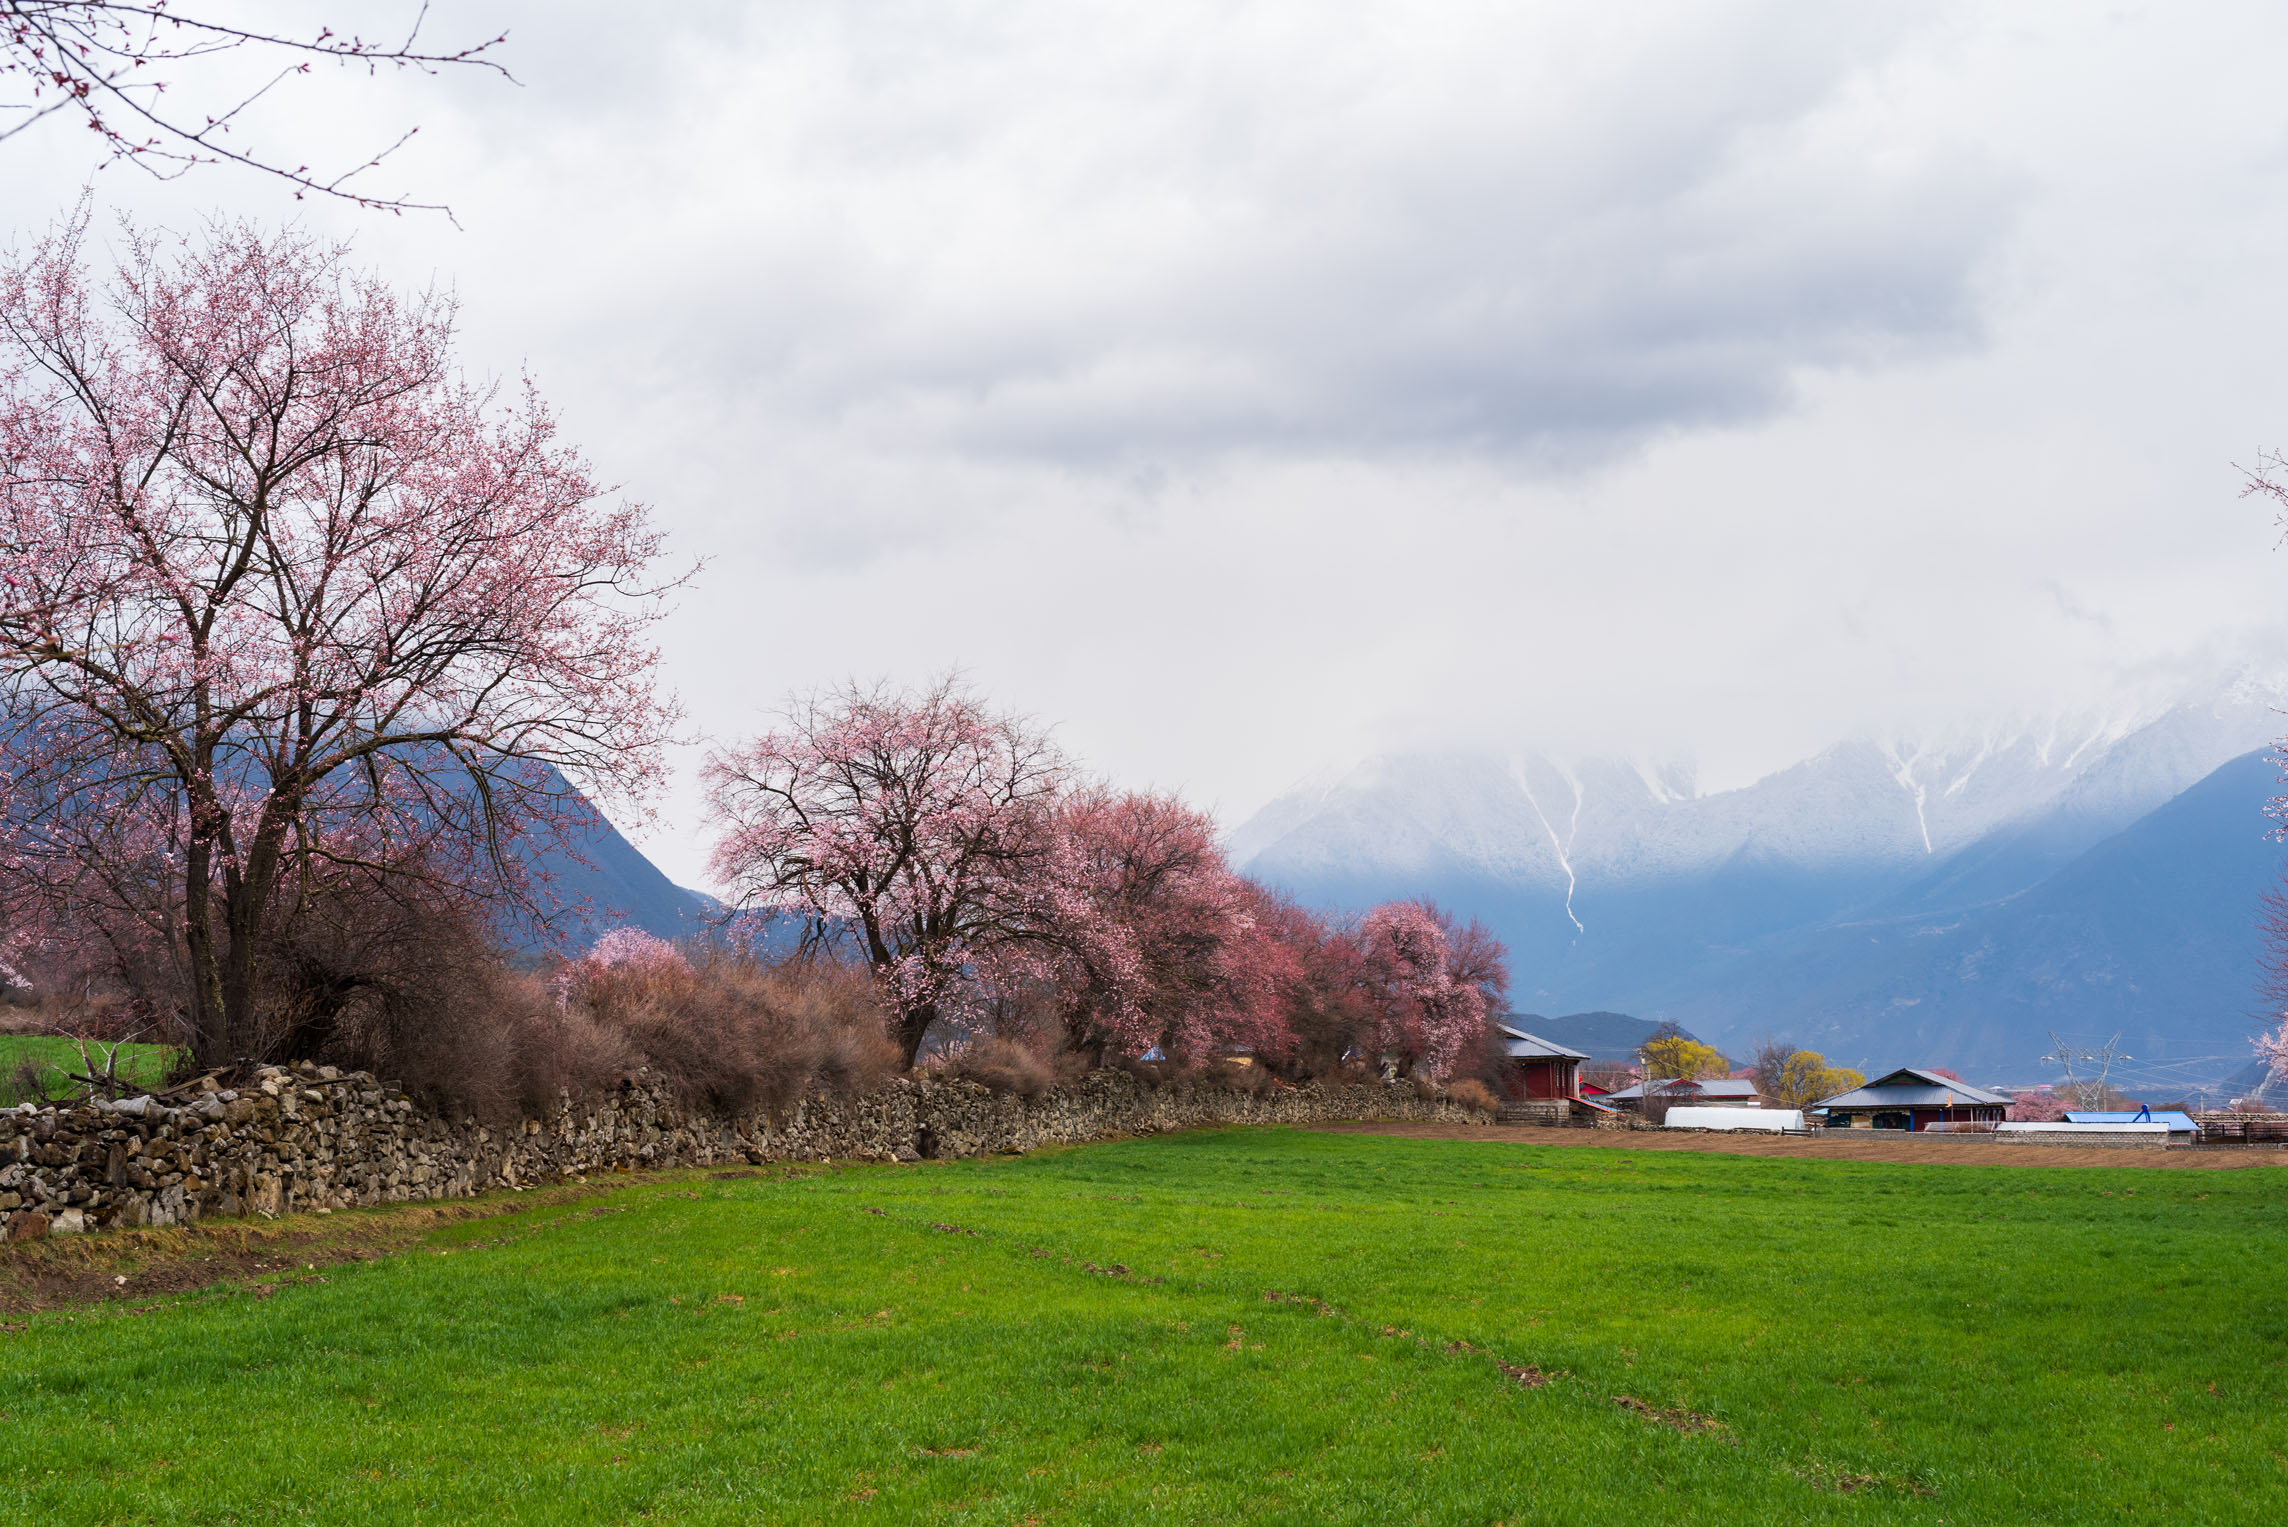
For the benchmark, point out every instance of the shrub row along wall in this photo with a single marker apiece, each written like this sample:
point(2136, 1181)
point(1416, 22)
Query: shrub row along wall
point(314, 1138)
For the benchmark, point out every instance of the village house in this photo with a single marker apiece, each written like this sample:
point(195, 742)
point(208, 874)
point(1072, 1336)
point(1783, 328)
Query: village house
point(1690, 1092)
point(1541, 1081)
point(1538, 1068)
point(1909, 1098)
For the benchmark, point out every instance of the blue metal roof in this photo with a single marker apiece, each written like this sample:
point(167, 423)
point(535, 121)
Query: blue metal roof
point(2172, 1117)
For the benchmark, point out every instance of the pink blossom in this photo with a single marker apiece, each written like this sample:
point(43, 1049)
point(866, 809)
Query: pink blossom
point(912, 824)
point(633, 948)
point(2272, 1049)
point(1430, 1004)
point(2041, 1105)
point(1149, 938)
point(290, 598)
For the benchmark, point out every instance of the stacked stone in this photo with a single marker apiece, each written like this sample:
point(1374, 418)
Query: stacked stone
point(314, 1138)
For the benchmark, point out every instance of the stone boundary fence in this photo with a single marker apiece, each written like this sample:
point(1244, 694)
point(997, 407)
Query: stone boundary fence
point(313, 1138)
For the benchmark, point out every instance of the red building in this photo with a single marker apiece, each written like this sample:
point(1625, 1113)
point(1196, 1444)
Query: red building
point(1537, 1069)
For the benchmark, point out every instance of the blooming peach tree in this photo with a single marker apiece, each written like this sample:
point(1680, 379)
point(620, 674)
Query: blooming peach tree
point(282, 595)
point(2272, 1049)
point(1430, 1003)
point(2039, 1105)
point(913, 824)
point(1150, 937)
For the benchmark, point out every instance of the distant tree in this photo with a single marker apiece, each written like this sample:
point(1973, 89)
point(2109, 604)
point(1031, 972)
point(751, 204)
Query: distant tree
point(1770, 1060)
point(1149, 936)
point(285, 601)
point(121, 67)
point(1671, 1055)
point(1428, 1005)
point(917, 825)
point(632, 948)
point(1793, 1078)
point(2039, 1105)
point(1611, 1075)
point(1670, 1058)
point(620, 950)
point(2271, 1048)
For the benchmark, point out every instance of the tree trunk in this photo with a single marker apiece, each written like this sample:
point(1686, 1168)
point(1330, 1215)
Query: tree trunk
point(210, 1020)
point(246, 910)
point(913, 1027)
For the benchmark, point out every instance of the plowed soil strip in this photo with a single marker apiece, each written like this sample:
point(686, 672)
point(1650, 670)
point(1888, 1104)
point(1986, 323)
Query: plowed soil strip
point(1914, 1148)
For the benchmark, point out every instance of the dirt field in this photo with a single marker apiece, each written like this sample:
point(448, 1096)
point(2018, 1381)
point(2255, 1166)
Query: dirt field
point(1924, 1148)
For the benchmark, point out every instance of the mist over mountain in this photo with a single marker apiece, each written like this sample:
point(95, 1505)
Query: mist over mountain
point(1941, 901)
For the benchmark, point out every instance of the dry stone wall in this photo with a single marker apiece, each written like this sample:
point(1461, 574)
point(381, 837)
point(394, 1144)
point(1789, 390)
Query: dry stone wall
point(314, 1138)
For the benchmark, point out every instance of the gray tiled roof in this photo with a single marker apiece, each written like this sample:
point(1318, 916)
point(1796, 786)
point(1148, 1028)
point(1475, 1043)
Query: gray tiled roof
point(1738, 1088)
point(1909, 1087)
point(1523, 1046)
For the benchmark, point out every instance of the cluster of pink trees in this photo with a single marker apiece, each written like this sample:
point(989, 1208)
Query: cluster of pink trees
point(2040, 1105)
point(955, 850)
point(306, 642)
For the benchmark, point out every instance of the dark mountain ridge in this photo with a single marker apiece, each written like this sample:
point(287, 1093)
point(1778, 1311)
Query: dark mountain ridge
point(600, 881)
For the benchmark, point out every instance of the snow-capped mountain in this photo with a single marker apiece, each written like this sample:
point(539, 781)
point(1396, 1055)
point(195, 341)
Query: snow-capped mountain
point(1528, 820)
point(1620, 884)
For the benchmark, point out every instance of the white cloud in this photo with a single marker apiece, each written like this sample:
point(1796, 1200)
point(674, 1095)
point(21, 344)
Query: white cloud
point(1251, 385)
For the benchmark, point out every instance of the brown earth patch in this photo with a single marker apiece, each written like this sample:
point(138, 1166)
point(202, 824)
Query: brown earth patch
point(125, 1266)
point(129, 1269)
point(1927, 1149)
point(1690, 1423)
point(122, 1267)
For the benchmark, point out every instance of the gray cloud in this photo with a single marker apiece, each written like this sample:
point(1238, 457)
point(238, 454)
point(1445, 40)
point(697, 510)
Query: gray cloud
point(1250, 386)
point(1195, 229)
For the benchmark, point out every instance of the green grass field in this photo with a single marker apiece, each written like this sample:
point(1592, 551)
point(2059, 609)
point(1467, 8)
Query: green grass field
point(140, 1065)
point(1239, 1325)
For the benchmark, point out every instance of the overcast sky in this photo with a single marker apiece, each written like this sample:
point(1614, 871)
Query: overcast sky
point(1249, 387)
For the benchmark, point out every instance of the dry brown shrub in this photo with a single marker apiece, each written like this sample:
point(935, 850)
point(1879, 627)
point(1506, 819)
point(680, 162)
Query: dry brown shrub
point(406, 982)
point(1237, 1076)
point(1003, 1065)
point(1472, 1093)
point(419, 994)
point(1153, 1073)
point(734, 1033)
point(26, 1083)
point(438, 1012)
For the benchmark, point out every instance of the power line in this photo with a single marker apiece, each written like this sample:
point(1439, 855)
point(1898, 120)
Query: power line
point(2087, 1091)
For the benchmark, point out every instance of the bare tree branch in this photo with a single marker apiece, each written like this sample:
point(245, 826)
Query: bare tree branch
point(116, 62)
